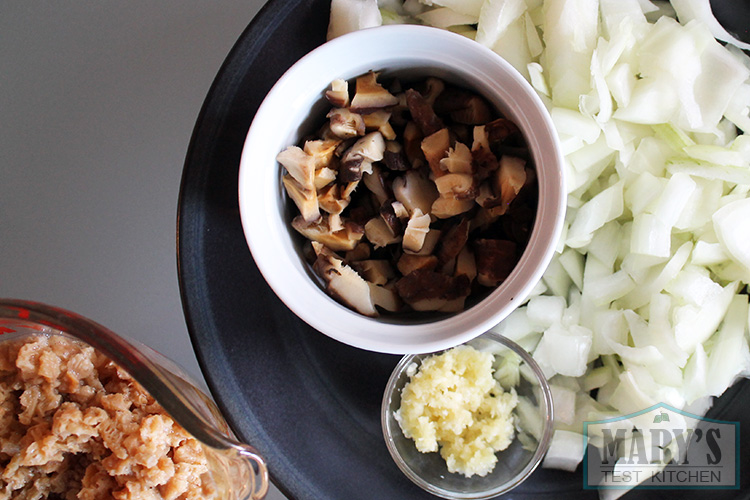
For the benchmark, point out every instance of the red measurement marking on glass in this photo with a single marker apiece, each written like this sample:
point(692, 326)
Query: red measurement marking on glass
point(5, 329)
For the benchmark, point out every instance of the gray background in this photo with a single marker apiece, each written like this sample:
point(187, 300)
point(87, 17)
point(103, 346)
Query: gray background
point(98, 100)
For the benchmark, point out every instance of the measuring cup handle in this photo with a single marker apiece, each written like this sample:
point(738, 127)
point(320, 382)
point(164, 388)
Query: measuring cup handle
point(261, 485)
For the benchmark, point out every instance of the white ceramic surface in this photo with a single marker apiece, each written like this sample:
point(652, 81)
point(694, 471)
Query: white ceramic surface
point(286, 115)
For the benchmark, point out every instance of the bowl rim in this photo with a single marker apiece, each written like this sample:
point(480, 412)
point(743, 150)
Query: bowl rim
point(537, 457)
point(272, 250)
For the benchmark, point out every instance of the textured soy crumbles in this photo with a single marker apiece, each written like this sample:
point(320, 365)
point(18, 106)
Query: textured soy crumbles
point(73, 425)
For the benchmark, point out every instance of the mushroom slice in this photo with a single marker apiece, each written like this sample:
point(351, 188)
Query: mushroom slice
point(335, 223)
point(360, 252)
point(500, 130)
point(486, 195)
point(413, 144)
point(386, 298)
point(370, 96)
point(324, 177)
point(416, 231)
point(344, 124)
point(433, 88)
point(459, 160)
point(400, 210)
point(339, 93)
point(445, 206)
point(347, 189)
point(379, 120)
point(344, 284)
point(481, 139)
point(507, 182)
point(463, 106)
point(510, 178)
point(371, 147)
point(379, 233)
point(476, 112)
point(484, 163)
point(325, 132)
point(299, 164)
point(320, 231)
point(460, 186)
point(483, 219)
point(377, 271)
point(495, 260)
point(431, 240)
point(321, 151)
point(408, 263)
point(305, 199)
point(466, 264)
point(425, 284)
point(388, 214)
point(456, 305)
point(358, 158)
point(395, 157)
point(435, 147)
point(422, 113)
point(415, 191)
point(350, 169)
point(453, 240)
point(376, 183)
point(329, 199)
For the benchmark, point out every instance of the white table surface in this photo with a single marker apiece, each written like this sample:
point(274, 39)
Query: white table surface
point(98, 99)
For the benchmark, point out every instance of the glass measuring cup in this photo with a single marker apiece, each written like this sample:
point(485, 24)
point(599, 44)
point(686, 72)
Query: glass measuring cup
point(237, 470)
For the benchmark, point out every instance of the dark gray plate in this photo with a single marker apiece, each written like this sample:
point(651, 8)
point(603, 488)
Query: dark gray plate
point(308, 403)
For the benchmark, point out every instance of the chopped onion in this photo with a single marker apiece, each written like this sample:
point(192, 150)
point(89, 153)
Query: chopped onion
point(565, 451)
point(688, 10)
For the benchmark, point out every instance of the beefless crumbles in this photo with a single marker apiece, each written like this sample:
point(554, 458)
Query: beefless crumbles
point(73, 425)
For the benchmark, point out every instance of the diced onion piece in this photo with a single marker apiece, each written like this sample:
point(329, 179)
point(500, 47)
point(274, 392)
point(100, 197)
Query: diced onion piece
point(445, 17)
point(732, 227)
point(352, 15)
point(564, 399)
point(467, 7)
point(494, 18)
point(604, 207)
point(565, 451)
point(688, 10)
point(695, 324)
point(564, 351)
point(728, 357)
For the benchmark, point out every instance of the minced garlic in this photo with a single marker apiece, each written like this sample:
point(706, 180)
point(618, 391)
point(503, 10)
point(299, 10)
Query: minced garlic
point(453, 404)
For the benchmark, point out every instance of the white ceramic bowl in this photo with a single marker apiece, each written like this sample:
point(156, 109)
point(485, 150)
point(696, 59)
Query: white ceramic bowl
point(295, 106)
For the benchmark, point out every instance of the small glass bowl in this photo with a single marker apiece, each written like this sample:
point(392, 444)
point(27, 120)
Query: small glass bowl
point(534, 428)
point(238, 471)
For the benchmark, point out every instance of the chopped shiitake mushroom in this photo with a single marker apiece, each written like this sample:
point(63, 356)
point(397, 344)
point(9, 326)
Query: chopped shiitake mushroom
point(320, 231)
point(416, 196)
point(370, 96)
point(344, 284)
point(305, 199)
point(411, 262)
point(435, 147)
point(379, 233)
point(377, 271)
point(345, 124)
point(415, 191)
point(416, 231)
point(339, 93)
